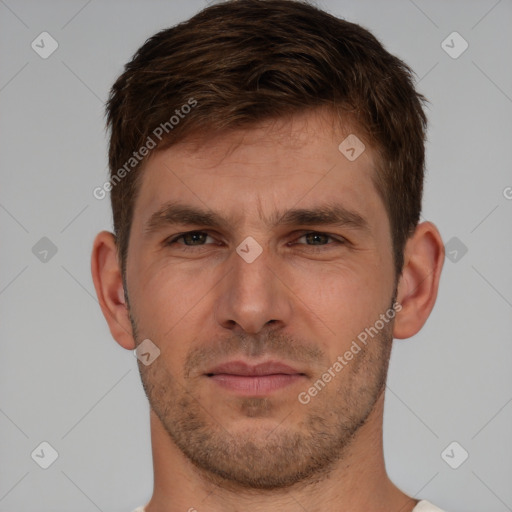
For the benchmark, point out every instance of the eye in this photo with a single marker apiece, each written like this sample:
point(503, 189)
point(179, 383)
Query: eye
point(320, 239)
point(190, 239)
point(315, 240)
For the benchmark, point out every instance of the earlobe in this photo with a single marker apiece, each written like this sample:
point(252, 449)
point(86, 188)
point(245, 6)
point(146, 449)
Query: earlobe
point(419, 282)
point(108, 283)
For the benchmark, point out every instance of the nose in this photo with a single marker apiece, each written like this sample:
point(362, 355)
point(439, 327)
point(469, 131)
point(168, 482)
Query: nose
point(253, 295)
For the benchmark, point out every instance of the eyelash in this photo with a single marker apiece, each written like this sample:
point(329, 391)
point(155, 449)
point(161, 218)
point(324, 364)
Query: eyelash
point(338, 240)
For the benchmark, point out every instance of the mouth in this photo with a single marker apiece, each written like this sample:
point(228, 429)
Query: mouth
point(254, 380)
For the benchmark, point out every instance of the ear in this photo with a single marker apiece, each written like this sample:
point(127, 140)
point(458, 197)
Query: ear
point(108, 283)
point(419, 281)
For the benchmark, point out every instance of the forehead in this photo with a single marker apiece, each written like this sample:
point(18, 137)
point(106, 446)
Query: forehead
point(254, 174)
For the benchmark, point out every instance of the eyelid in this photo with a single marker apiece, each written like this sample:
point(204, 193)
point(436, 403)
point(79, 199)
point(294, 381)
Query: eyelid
point(338, 238)
point(298, 234)
point(177, 236)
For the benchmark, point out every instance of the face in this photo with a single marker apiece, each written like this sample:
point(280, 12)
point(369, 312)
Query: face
point(256, 260)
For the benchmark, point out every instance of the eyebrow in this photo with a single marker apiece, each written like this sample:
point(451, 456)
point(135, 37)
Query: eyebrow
point(174, 213)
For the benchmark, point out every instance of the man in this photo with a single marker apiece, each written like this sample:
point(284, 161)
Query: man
point(267, 165)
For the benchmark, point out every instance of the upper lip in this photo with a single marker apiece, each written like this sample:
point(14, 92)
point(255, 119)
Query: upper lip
point(242, 368)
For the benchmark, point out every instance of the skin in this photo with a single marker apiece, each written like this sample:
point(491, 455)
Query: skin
point(302, 301)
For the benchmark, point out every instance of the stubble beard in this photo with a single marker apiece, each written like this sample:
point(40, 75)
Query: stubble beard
point(288, 454)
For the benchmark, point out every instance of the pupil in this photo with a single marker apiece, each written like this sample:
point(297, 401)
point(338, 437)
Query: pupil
point(316, 235)
point(194, 237)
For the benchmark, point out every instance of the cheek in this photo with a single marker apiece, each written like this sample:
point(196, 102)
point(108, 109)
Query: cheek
point(170, 302)
point(346, 300)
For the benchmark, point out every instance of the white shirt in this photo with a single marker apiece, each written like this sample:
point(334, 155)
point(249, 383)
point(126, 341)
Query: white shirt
point(422, 506)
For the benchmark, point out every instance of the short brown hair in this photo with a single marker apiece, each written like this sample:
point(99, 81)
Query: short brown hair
point(244, 61)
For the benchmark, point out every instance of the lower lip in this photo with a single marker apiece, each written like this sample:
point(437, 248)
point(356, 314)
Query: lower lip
point(255, 385)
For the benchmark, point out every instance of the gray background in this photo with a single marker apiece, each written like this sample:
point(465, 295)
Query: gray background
point(64, 380)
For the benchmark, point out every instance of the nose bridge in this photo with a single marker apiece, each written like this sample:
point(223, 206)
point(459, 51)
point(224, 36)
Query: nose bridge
point(250, 266)
point(251, 295)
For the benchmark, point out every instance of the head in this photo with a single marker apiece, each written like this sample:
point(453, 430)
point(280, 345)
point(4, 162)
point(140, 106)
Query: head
point(237, 64)
point(233, 125)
